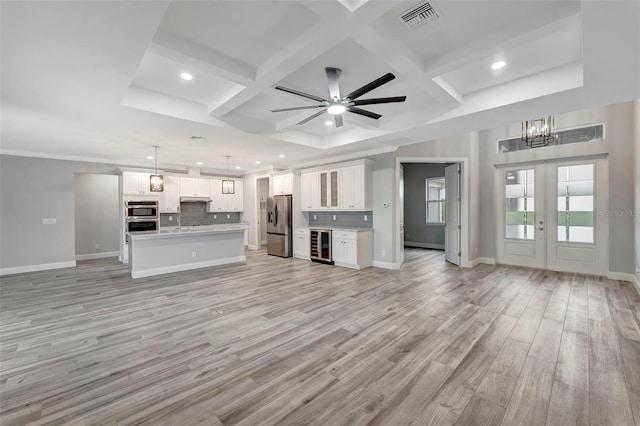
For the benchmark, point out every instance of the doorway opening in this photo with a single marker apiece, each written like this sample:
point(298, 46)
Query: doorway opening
point(262, 186)
point(430, 214)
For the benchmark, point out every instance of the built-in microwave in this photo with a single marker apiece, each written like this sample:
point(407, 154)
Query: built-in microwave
point(144, 209)
point(142, 225)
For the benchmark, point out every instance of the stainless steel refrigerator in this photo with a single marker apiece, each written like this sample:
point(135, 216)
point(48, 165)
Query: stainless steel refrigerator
point(279, 226)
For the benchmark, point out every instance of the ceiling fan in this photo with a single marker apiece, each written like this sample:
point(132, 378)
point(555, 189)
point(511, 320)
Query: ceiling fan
point(337, 104)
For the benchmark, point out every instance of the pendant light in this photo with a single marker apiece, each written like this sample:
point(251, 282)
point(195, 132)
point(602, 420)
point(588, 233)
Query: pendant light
point(156, 181)
point(228, 185)
point(538, 132)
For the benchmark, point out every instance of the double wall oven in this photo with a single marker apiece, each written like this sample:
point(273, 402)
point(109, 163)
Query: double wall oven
point(141, 215)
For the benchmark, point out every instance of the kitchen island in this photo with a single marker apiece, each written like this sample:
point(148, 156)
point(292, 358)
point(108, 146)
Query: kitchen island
point(173, 250)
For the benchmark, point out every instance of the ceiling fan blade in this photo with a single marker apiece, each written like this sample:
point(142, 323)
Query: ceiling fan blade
point(297, 92)
point(298, 108)
point(370, 86)
point(338, 119)
point(332, 78)
point(317, 114)
point(364, 112)
point(380, 100)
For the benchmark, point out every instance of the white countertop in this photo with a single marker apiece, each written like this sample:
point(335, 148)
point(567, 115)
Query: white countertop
point(190, 230)
point(334, 228)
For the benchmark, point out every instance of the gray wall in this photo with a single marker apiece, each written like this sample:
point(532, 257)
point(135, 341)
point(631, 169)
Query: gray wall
point(96, 213)
point(33, 189)
point(637, 184)
point(619, 135)
point(415, 211)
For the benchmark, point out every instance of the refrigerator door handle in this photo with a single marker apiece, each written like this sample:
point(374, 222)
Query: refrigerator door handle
point(275, 223)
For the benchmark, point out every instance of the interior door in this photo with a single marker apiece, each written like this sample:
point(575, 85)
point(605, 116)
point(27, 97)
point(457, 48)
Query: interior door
point(553, 215)
point(452, 214)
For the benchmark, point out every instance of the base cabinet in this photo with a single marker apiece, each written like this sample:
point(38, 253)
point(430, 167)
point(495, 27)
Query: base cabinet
point(353, 249)
point(301, 243)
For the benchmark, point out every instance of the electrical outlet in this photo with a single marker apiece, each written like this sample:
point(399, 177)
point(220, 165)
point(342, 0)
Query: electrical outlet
point(366, 218)
point(228, 216)
point(384, 252)
point(334, 217)
point(96, 246)
point(48, 221)
point(215, 216)
point(193, 254)
point(315, 217)
point(170, 218)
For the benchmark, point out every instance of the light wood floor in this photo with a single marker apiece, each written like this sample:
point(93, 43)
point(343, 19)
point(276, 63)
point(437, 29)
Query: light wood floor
point(283, 341)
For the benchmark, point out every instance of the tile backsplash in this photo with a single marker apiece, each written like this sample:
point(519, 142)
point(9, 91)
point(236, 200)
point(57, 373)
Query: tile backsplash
point(196, 214)
point(343, 219)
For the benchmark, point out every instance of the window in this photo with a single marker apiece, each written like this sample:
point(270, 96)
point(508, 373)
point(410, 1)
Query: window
point(435, 196)
point(519, 204)
point(575, 203)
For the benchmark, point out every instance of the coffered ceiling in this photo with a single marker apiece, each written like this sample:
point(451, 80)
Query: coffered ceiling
point(100, 80)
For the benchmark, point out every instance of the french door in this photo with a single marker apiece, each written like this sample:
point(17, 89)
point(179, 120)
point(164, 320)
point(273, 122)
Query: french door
point(551, 215)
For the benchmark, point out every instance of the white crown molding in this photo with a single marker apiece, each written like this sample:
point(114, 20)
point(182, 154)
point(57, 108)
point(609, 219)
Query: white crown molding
point(345, 157)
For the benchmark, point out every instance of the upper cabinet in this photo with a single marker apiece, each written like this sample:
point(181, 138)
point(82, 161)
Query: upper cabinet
point(328, 189)
point(134, 183)
point(310, 192)
point(345, 187)
point(194, 187)
point(226, 202)
point(355, 187)
point(281, 184)
point(170, 198)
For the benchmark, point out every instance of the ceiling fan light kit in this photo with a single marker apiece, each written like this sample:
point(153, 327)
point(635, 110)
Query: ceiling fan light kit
point(336, 104)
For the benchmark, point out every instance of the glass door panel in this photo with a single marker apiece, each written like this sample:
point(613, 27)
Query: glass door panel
point(519, 190)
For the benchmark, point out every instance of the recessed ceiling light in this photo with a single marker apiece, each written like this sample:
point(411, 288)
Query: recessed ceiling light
point(257, 161)
point(199, 163)
point(498, 65)
point(328, 123)
point(281, 155)
point(149, 157)
point(186, 76)
point(237, 167)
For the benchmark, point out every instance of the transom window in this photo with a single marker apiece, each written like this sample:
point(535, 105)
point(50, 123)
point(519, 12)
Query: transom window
point(435, 197)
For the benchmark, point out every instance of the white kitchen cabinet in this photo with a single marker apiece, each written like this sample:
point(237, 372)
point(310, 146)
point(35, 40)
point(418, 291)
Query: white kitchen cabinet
point(352, 249)
point(328, 189)
point(194, 187)
point(281, 184)
point(170, 198)
point(301, 243)
point(134, 183)
point(310, 191)
point(226, 202)
point(355, 188)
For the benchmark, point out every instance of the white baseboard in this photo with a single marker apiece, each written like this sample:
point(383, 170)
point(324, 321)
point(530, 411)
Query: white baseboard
point(385, 265)
point(252, 247)
point(263, 242)
point(636, 282)
point(102, 255)
point(297, 256)
point(424, 245)
point(36, 268)
point(620, 276)
point(187, 267)
point(485, 260)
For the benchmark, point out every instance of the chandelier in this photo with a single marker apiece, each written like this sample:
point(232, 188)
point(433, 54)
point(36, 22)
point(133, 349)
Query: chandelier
point(538, 132)
point(156, 181)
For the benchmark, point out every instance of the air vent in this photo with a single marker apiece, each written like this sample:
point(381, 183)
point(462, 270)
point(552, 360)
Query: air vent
point(420, 14)
point(197, 138)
